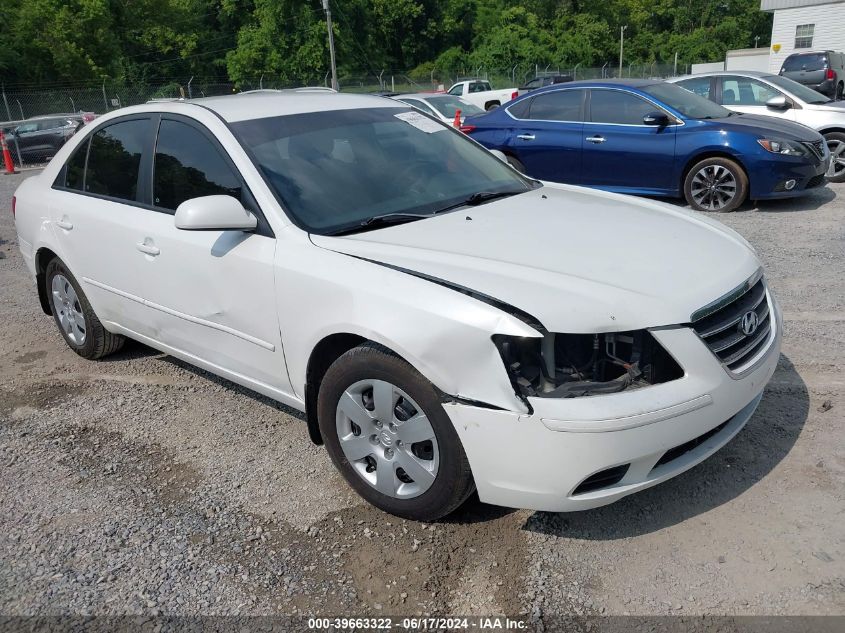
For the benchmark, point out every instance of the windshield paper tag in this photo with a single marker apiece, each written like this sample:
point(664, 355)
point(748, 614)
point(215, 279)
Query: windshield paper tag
point(420, 122)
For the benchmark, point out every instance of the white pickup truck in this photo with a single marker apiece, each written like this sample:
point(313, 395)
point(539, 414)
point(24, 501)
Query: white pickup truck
point(479, 92)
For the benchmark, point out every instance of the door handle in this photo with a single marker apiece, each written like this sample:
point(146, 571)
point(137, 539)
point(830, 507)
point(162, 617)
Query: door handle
point(148, 248)
point(526, 137)
point(64, 224)
point(596, 139)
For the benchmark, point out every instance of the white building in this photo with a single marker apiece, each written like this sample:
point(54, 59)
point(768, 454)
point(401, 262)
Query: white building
point(804, 25)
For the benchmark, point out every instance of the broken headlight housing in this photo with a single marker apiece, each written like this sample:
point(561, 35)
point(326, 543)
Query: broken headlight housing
point(576, 365)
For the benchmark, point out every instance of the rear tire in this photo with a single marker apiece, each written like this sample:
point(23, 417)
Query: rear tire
point(715, 184)
point(838, 92)
point(491, 106)
point(836, 144)
point(422, 478)
point(75, 317)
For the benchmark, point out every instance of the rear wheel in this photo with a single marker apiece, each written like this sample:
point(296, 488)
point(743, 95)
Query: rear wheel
point(715, 184)
point(388, 434)
point(839, 90)
point(74, 316)
point(492, 105)
point(836, 144)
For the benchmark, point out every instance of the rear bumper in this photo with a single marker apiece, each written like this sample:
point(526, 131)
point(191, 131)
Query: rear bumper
point(548, 459)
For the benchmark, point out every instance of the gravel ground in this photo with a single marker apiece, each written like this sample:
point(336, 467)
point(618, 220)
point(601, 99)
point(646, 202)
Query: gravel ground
point(139, 485)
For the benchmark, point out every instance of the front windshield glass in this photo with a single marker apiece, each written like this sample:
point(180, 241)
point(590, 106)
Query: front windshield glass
point(335, 170)
point(807, 95)
point(447, 105)
point(686, 102)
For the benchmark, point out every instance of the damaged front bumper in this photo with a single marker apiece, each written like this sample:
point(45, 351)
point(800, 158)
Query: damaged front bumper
point(580, 453)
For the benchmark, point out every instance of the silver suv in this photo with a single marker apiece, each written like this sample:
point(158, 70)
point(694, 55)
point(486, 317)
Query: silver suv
point(755, 92)
point(823, 71)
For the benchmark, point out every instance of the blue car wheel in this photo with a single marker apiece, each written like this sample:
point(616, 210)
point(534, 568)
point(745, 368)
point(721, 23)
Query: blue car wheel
point(715, 184)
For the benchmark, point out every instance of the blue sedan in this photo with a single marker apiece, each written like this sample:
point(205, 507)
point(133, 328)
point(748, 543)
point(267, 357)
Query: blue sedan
point(649, 137)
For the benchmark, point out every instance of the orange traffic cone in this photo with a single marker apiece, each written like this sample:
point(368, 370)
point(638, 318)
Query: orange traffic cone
point(7, 155)
point(457, 122)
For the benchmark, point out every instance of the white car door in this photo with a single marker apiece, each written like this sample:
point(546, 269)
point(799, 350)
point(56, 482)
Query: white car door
point(212, 292)
point(97, 210)
point(748, 95)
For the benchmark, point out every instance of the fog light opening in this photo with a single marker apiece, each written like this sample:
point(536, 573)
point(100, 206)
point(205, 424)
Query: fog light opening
point(789, 185)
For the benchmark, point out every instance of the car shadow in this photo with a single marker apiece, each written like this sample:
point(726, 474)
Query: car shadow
point(135, 350)
point(748, 458)
point(809, 202)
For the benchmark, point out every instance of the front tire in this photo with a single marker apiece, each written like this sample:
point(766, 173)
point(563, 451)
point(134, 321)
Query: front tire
point(836, 144)
point(389, 436)
point(715, 184)
point(75, 317)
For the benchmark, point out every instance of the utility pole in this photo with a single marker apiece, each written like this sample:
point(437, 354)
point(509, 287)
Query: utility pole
point(331, 42)
point(621, 46)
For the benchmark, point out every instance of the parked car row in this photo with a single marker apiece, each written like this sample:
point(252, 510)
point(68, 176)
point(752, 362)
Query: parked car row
point(650, 137)
point(37, 139)
point(445, 323)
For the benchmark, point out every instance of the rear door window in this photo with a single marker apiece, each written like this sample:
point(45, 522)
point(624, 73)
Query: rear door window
point(814, 61)
point(560, 105)
point(114, 159)
point(188, 165)
point(697, 85)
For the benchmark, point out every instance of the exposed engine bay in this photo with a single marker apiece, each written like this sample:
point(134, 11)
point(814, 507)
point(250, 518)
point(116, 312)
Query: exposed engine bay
point(576, 365)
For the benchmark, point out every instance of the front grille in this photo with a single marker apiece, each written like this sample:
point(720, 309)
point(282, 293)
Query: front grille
point(815, 181)
point(602, 479)
point(679, 451)
point(720, 325)
point(817, 148)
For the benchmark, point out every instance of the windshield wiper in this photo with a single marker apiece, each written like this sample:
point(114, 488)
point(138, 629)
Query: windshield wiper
point(382, 220)
point(479, 197)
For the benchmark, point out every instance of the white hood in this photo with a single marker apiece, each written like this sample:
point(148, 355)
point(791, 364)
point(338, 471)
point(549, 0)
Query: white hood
point(578, 260)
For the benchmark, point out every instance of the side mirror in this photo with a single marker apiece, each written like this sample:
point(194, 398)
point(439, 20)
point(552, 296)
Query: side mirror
point(656, 118)
point(778, 103)
point(214, 213)
point(500, 155)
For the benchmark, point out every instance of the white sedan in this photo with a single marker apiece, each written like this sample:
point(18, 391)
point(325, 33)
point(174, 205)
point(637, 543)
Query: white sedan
point(440, 106)
point(445, 323)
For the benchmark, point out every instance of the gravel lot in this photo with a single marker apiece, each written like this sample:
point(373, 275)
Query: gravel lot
point(139, 485)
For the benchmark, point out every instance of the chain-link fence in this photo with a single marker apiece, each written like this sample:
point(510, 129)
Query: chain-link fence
point(39, 119)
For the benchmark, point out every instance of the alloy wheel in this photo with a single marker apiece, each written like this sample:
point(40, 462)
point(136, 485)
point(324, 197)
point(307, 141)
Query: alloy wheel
point(837, 158)
point(713, 187)
point(68, 309)
point(387, 439)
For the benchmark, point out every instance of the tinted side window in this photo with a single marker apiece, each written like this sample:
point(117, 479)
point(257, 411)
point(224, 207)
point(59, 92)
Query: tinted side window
point(622, 108)
point(75, 169)
point(697, 85)
point(560, 105)
point(114, 159)
point(188, 165)
point(519, 109)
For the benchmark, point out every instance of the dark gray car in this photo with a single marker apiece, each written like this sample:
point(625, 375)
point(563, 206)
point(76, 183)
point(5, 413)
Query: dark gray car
point(36, 140)
point(823, 71)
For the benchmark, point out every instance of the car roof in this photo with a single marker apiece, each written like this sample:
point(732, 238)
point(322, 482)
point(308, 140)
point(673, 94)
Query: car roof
point(262, 104)
point(423, 95)
point(597, 83)
point(721, 73)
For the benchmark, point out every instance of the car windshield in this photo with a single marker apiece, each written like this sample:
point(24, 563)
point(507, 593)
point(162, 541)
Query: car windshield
point(807, 95)
point(812, 61)
point(686, 102)
point(447, 105)
point(337, 170)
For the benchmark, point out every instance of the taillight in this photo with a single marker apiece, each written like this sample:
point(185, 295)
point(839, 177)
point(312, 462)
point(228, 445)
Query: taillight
point(514, 94)
point(466, 129)
point(14, 201)
point(830, 74)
